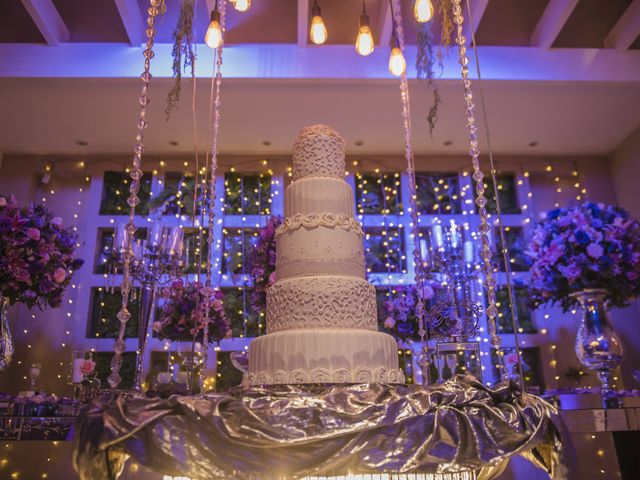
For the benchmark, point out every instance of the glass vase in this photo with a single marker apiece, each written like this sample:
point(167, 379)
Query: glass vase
point(6, 341)
point(598, 347)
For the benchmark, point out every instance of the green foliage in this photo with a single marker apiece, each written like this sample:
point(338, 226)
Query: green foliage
point(196, 248)
point(238, 243)
point(227, 375)
point(127, 371)
point(115, 192)
point(381, 258)
point(247, 193)
point(378, 193)
point(516, 246)
point(523, 309)
point(438, 193)
point(507, 194)
point(235, 303)
point(176, 198)
point(104, 308)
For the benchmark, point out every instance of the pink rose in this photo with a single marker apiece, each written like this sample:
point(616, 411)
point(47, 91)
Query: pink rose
point(57, 221)
point(229, 334)
point(87, 367)
point(594, 250)
point(217, 305)
point(272, 278)
point(389, 323)
point(33, 233)
point(3, 202)
point(59, 275)
point(511, 358)
point(157, 327)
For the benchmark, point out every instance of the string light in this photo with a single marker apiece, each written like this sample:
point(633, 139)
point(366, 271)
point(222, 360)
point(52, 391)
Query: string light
point(318, 30)
point(364, 41)
point(397, 63)
point(423, 10)
point(241, 5)
point(213, 37)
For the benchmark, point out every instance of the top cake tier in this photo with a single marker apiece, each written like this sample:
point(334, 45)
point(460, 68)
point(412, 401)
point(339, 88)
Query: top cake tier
point(318, 152)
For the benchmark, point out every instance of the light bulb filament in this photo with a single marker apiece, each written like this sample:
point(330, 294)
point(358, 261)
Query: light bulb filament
point(423, 10)
point(364, 42)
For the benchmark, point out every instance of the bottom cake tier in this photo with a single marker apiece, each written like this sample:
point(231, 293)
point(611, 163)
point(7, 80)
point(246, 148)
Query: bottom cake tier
point(324, 356)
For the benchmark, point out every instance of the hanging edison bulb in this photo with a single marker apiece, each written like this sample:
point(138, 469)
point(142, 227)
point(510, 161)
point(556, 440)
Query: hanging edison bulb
point(241, 5)
point(318, 31)
point(364, 42)
point(423, 10)
point(397, 63)
point(213, 37)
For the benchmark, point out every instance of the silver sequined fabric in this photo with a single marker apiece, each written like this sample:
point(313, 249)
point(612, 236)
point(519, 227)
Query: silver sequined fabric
point(295, 431)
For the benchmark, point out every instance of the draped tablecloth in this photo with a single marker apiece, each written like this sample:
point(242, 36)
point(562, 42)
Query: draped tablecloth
point(321, 430)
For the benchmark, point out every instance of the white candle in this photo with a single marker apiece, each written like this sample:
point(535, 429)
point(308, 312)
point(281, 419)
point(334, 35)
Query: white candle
point(436, 235)
point(454, 235)
point(468, 251)
point(155, 237)
point(120, 241)
point(175, 241)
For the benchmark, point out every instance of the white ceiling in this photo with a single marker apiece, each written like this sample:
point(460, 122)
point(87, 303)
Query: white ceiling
point(48, 116)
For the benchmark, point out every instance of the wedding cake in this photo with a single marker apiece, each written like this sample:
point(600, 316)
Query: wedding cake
point(321, 312)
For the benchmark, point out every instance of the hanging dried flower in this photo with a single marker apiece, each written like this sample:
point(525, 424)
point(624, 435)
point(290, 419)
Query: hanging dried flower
point(183, 53)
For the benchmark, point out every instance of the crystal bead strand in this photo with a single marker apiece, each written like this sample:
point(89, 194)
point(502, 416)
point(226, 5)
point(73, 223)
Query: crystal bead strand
point(157, 7)
point(420, 271)
point(208, 289)
point(478, 177)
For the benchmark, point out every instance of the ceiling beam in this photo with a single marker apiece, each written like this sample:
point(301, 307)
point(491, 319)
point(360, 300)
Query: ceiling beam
point(132, 20)
point(626, 29)
point(385, 25)
point(303, 22)
point(48, 20)
point(288, 62)
point(478, 7)
point(551, 22)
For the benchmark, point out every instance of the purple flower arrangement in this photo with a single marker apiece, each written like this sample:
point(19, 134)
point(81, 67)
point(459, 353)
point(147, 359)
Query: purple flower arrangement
point(182, 315)
point(37, 254)
point(399, 312)
point(587, 246)
point(262, 261)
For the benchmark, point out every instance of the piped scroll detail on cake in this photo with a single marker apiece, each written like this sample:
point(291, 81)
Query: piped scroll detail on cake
point(318, 151)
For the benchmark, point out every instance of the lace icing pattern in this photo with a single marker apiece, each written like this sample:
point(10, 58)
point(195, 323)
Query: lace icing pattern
point(321, 302)
point(318, 151)
point(315, 220)
point(323, 375)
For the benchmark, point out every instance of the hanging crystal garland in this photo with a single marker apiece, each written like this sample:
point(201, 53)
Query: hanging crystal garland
point(478, 177)
point(420, 270)
point(208, 290)
point(157, 7)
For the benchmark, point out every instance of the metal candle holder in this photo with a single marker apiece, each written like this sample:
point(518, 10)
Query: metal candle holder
point(156, 261)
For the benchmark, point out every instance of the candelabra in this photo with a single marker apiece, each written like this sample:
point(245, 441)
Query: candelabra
point(156, 261)
point(449, 251)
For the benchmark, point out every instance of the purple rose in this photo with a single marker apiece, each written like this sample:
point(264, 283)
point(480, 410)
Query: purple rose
point(594, 250)
point(571, 272)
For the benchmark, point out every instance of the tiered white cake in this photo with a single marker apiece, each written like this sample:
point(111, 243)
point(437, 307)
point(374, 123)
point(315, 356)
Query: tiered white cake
point(321, 313)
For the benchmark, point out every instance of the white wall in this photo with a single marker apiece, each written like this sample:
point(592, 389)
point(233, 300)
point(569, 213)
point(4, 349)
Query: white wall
point(625, 173)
